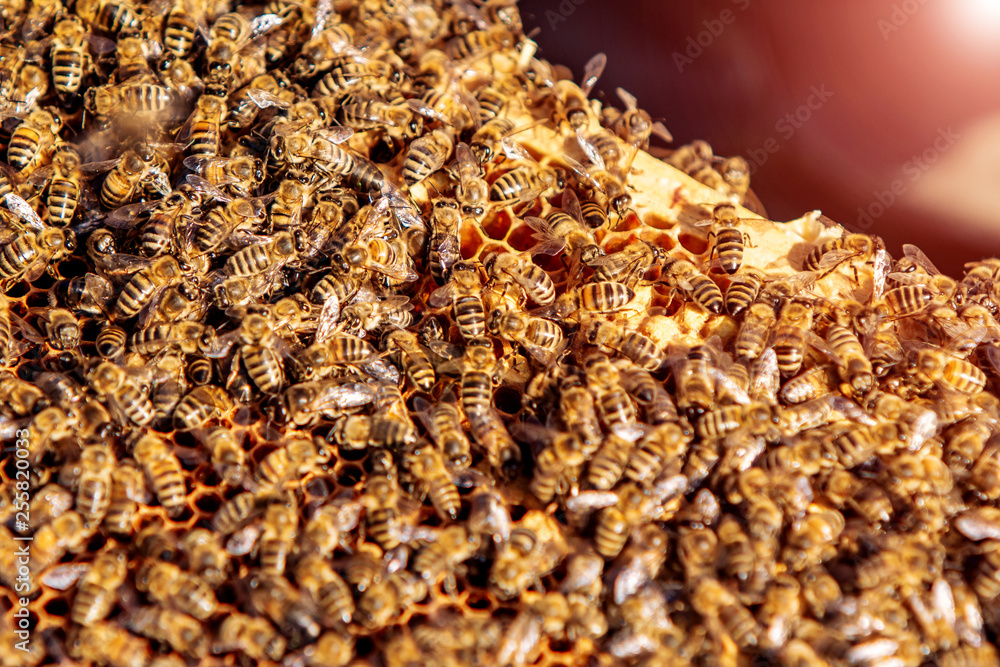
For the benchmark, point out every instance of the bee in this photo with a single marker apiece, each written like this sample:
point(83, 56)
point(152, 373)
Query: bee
point(443, 423)
point(852, 363)
point(729, 241)
point(743, 290)
point(328, 527)
point(524, 184)
point(20, 398)
point(326, 587)
point(570, 104)
point(322, 51)
point(108, 16)
point(109, 644)
point(535, 547)
point(254, 636)
point(718, 606)
point(385, 600)
point(634, 125)
point(603, 297)
point(62, 329)
point(478, 367)
point(31, 254)
point(277, 599)
point(135, 101)
point(614, 407)
point(830, 255)
point(65, 184)
point(221, 222)
point(234, 513)
point(278, 536)
point(635, 505)
point(228, 63)
point(88, 294)
point(611, 338)
point(240, 176)
point(413, 358)
point(306, 402)
point(294, 459)
point(168, 584)
point(136, 170)
point(205, 555)
point(164, 472)
point(33, 141)
point(181, 632)
point(627, 265)
point(200, 405)
point(204, 128)
point(443, 558)
point(794, 321)
point(813, 383)
point(123, 396)
point(463, 290)
point(69, 56)
point(265, 258)
point(381, 498)
point(93, 495)
point(542, 338)
point(682, 274)
point(427, 155)
point(226, 451)
point(427, 465)
point(52, 540)
point(507, 268)
point(658, 453)
point(471, 191)
point(127, 488)
point(444, 247)
point(293, 195)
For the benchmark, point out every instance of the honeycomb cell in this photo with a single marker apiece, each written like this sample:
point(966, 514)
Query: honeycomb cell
point(497, 227)
point(522, 237)
point(472, 241)
point(696, 245)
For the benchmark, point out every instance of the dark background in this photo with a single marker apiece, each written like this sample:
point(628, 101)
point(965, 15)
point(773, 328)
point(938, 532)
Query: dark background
point(899, 76)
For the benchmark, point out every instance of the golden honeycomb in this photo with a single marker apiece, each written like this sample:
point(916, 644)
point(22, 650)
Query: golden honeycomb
point(657, 477)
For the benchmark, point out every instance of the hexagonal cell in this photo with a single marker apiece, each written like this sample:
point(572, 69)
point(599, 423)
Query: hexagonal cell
point(497, 226)
point(522, 237)
point(472, 241)
point(696, 245)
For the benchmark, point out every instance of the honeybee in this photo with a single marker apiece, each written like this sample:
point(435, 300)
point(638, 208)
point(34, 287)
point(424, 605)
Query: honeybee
point(269, 257)
point(524, 184)
point(127, 488)
point(381, 498)
point(93, 494)
point(443, 558)
point(743, 290)
point(682, 274)
point(953, 372)
point(535, 547)
point(280, 527)
point(64, 180)
point(635, 506)
point(830, 255)
point(254, 636)
point(131, 103)
point(463, 291)
point(328, 526)
point(542, 338)
point(614, 407)
point(570, 104)
point(722, 610)
point(385, 600)
point(31, 254)
point(853, 364)
point(164, 472)
point(52, 540)
point(200, 405)
point(226, 451)
point(61, 328)
point(240, 176)
point(555, 465)
point(658, 453)
point(326, 587)
point(123, 396)
point(634, 125)
point(478, 367)
point(794, 321)
point(88, 293)
point(427, 155)
point(33, 141)
point(19, 398)
point(295, 458)
point(729, 241)
point(507, 268)
point(427, 465)
point(603, 297)
point(611, 338)
point(471, 191)
point(444, 247)
point(306, 402)
point(110, 644)
point(181, 632)
point(168, 584)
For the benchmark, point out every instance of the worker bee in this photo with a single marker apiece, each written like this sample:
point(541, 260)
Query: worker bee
point(427, 466)
point(443, 558)
point(602, 297)
point(542, 338)
point(280, 527)
point(534, 548)
point(226, 451)
point(254, 636)
point(295, 458)
point(955, 373)
point(683, 275)
point(830, 255)
point(426, 155)
point(385, 600)
point(133, 103)
point(93, 493)
point(164, 472)
point(88, 294)
point(326, 587)
point(33, 141)
point(570, 104)
point(463, 290)
point(507, 268)
point(205, 555)
point(268, 257)
point(729, 241)
point(472, 191)
point(560, 456)
point(635, 505)
point(611, 338)
point(523, 184)
point(444, 248)
point(240, 176)
point(168, 584)
point(110, 644)
point(125, 399)
point(792, 324)
point(614, 407)
point(31, 254)
point(181, 632)
point(51, 541)
point(720, 607)
point(127, 488)
point(478, 367)
point(61, 328)
point(566, 229)
point(304, 403)
point(634, 125)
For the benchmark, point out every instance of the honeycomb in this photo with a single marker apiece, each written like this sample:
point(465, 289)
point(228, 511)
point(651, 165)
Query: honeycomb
point(514, 438)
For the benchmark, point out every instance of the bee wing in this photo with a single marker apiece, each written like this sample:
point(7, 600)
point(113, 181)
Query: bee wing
point(40, 177)
point(91, 168)
point(660, 130)
point(243, 540)
point(265, 99)
point(382, 371)
point(397, 272)
point(347, 395)
point(588, 501)
point(883, 264)
point(764, 377)
point(126, 217)
point(23, 211)
point(834, 258)
point(592, 72)
point(335, 135)
point(417, 106)
point(203, 186)
point(590, 150)
point(120, 263)
point(326, 324)
point(515, 151)
point(909, 278)
point(263, 24)
point(442, 296)
point(730, 386)
point(920, 259)
point(63, 577)
point(631, 103)
point(583, 172)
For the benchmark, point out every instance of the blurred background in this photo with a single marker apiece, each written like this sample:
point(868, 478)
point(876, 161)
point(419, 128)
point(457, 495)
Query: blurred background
point(883, 114)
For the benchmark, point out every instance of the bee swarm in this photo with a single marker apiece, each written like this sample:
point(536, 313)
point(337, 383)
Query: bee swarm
point(352, 332)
